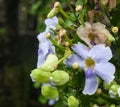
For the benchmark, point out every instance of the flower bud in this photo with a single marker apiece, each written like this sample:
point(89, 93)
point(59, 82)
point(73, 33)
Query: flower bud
point(39, 75)
point(53, 12)
point(113, 105)
point(107, 86)
point(99, 91)
point(60, 77)
point(78, 8)
point(110, 38)
point(73, 102)
point(75, 65)
point(48, 35)
point(50, 63)
point(67, 44)
point(49, 92)
point(62, 32)
point(115, 29)
point(114, 91)
point(56, 4)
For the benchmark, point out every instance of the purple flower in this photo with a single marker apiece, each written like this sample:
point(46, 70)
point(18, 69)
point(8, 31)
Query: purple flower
point(45, 46)
point(95, 63)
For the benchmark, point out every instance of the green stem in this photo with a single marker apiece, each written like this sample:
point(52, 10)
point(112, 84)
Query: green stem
point(67, 38)
point(63, 12)
point(65, 56)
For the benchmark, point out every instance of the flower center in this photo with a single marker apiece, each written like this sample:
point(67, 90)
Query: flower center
point(89, 62)
point(92, 38)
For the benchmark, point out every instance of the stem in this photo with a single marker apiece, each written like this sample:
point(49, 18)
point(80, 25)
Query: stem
point(63, 12)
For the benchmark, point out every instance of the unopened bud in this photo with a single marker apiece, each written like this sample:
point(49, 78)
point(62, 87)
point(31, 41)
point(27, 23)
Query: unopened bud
point(99, 91)
point(39, 75)
point(114, 91)
point(107, 86)
point(67, 44)
point(110, 38)
point(60, 77)
point(56, 4)
point(75, 65)
point(73, 102)
point(53, 12)
point(50, 63)
point(78, 8)
point(48, 35)
point(115, 29)
point(113, 105)
point(49, 92)
point(62, 32)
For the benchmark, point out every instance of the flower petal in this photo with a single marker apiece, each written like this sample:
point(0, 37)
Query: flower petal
point(81, 50)
point(105, 71)
point(100, 53)
point(51, 22)
point(89, 73)
point(41, 59)
point(73, 58)
point(91, 85)
point(41, 37)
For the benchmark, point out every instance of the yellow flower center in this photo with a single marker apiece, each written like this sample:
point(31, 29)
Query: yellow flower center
point(91, 36)
point(89, 62)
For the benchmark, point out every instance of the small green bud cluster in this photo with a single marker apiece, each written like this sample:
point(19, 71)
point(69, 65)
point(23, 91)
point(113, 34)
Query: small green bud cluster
point(114, 89)
point(73, 102)
point(47, 74)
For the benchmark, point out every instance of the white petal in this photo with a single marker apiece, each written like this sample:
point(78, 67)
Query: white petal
point(105, 71)
point(73, 58)
point(100, 53)
point(81, 50)
point(91, 85)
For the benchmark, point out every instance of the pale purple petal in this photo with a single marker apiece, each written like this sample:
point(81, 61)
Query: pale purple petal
point(91, 85)
point(45, 48)
point(105, 71)
point(73, 58)
point(41, 59)
point(41, 37)
point(100, 53)
point(51, 22)
point(81, 50)
point(89, 72)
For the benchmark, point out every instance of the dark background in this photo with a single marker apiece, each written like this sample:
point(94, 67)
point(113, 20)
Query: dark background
point(18, 52)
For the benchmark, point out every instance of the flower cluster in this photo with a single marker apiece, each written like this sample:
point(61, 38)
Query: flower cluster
point(75, 56)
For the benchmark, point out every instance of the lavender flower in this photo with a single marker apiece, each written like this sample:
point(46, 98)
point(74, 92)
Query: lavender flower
point(45, 46)
point(95, 63)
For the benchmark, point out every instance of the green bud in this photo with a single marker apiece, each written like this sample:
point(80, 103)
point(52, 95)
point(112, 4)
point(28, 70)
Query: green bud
point(53, 12)
point(107, 86)
point(114, 90)
point(39, 75)
point(113, 105)
point(60, 77)
point(49, 92)
point(73, 102)
point(115, 29)
point(50, 63)
point(110, 38)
